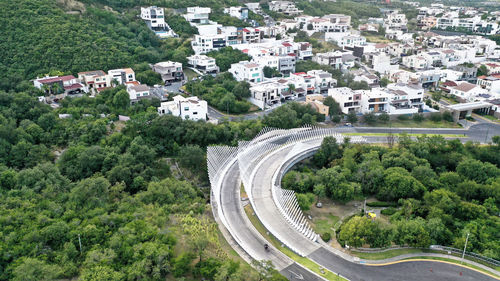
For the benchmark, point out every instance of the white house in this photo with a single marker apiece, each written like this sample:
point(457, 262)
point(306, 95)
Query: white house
point(237, 12)
point(247, 71)
point(136, 92)
point(67, 84)
point(122, 76)
point(169, 70)
point(466, 91)
point(267, 93)
point(375, 101)
point(203, 63)
point(395, 20)
point(155, 20)
point(333, 59)
point(349, 100)
point(190, 108)
point(197, 15)
point(286, 7)
point(410, 95)
point(415, 62)
point(490, 83)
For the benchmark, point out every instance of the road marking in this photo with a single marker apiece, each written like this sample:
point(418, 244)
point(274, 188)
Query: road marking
point(297, 276)
point(429, 260)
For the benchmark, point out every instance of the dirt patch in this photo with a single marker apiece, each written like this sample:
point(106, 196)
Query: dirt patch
point(72, 6)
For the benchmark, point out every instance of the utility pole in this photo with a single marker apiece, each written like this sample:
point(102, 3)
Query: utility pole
point(465, 247)
point(486, 137)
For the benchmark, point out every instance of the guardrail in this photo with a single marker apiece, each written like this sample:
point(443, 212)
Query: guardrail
point(446, 249)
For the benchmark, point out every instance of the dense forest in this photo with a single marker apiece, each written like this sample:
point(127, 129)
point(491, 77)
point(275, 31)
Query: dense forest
point(40, 36)
point(103, 199)
point(439, 189)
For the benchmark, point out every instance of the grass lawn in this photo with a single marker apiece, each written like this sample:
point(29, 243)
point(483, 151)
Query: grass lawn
point(384, 255)
point(411, 135)
point(459, 262)
point(190, 74)
point(489, 117)
point(413, 124)
point(276, 243)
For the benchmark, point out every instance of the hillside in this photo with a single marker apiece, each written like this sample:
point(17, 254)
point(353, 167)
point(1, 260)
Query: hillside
point(39, 36)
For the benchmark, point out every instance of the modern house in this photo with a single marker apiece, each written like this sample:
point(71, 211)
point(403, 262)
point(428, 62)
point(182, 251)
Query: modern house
point(190, 108)
point(155, 20)
point(203, 63)
point(121, 76)
point(96, 80)
point(137, 92)
point(247, 71)
point(55, 85)
point(170, 71)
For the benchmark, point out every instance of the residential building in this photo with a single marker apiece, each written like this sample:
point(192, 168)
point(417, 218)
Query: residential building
point(369, 27)
point(427, 23)
point(467, 92)
point(67, 85)
point(304, 81)
point(137, 92)
point(316, 103)
point(370, 79)
point(490, 83)
point(237, 12)
point(190, 108)
point(198, 15)
point(249, 35)
point(96, 80)
point(406, 95)
point(254, 7)
point(286, 7)
point(333, 59)
point(345, 40)
point(322, 80)
point(203, 63)
point(375, 101)
point(380, 62)
point(415, 62)
point(121, 76)
point(286, 64)
point(155, 20)
point(395, 20)
point(267, 93)
point(247, 71)
point(493, 68)
point(170, 71)
point(349, 100)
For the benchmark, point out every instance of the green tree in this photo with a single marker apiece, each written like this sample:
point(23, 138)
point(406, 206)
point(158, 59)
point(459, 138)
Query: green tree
point(121, 100)
point(352, 118)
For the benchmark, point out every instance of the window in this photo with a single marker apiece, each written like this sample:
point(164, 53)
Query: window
point(186, 108)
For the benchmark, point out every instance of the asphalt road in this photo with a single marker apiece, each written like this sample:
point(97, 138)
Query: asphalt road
point(253, 242)
point(247, 234)
point(482, 132)
point(407, 271)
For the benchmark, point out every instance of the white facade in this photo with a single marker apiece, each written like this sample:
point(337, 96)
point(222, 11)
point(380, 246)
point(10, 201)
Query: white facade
point(396, 21)
point(375, 101)
point(349, 100)
point(203, 63)
point(415, 62)
point(490, 84)
point(198, 15)
point(345, 39)
point(190, 108)
point(155, 20)
point(122, 76)
point(285, 7)
point(237, 12)
point(247, 71)
point(136, 92)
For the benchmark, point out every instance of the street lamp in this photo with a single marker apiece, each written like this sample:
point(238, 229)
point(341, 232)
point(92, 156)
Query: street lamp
point(465, 247)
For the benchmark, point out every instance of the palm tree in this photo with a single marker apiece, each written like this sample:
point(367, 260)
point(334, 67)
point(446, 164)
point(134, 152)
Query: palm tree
point(291, 88)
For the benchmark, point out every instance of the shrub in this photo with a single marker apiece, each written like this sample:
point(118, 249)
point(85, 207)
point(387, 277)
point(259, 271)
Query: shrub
point(370, 118)
point(447, 116)
point(384, 117)
point(435, 117)
point(403, 117)
point(381, 204)
point(418, 117)
point(326, 236)
point(389, 211)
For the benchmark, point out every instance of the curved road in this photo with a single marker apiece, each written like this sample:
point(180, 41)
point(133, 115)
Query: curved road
point(252, 242)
